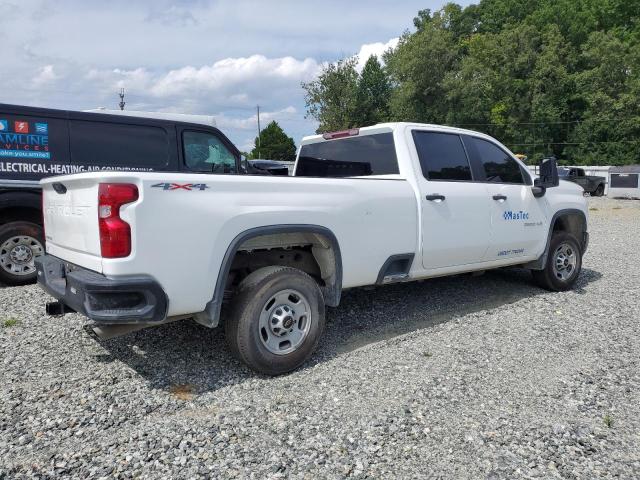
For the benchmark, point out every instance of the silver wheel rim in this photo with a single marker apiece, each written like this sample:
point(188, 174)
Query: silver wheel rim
point(285, 322)
point(564, 261)
point(18, 253)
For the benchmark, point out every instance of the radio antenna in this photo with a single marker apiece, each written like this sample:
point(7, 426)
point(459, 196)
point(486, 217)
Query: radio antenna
point(122, 102)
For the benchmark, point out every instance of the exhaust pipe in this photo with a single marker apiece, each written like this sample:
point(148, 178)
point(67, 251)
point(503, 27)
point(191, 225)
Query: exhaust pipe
point(58, 308)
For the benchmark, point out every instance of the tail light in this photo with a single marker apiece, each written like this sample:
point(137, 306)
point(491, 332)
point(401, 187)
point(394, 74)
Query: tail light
point(115, 233)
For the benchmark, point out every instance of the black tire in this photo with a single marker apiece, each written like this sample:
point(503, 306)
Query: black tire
point(35, 247)
point(246, 337)
point(598, 192)
point(549, 278)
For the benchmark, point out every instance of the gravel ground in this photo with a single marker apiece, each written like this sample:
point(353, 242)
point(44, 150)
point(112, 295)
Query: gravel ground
point(466, 377)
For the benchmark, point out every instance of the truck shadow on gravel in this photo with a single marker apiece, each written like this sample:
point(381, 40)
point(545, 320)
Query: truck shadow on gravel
point(187, 354)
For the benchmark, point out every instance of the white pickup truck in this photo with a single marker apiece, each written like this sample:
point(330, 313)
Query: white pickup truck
point(389, 203)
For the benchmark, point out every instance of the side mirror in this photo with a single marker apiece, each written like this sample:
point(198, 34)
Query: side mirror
point(244, 165)
point(548, 177)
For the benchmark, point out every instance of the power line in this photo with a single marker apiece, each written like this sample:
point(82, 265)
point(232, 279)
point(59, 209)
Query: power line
point(571, 122)
point(572, 143)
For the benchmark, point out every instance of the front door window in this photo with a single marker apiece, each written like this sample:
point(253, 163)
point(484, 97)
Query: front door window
point(204, 152)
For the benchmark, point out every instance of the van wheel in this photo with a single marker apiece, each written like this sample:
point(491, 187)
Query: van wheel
point(276, 320)
point(563, 263)
point(20, 244)
point(599, 191)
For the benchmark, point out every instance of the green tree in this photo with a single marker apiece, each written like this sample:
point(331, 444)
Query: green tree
point(417, 68)
point(372, 94)
point(609, 88)
point(331, 98)
point(274, 144)
point(551, 91)
point(489, 91)
point(544, 76)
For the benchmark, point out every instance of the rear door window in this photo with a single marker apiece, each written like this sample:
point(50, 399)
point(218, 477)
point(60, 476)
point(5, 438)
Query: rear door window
point(33, 147)
point(206, 153)
point(442, 156)
point(498, 165)
point(359, 156)
point(114, 146)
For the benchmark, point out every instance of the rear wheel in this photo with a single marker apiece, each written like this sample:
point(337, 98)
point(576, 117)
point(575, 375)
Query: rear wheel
point(276, 320)
point(599, 191)
point(20, 244)
point(563, 263)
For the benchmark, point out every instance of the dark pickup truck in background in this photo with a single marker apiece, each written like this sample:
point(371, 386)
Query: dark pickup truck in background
point(591, 184)
point(36, 143)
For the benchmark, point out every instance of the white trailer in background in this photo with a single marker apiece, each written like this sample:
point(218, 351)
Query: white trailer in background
point(624, 181)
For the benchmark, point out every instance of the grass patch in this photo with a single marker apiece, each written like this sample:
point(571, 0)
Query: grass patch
point(427, 354)
point(593, 209)
point(608, 420)
point(182, 391)
point(616, 208)
point(10, 322)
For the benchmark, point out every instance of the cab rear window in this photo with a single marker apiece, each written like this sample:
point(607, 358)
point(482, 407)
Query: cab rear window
point(359, 156)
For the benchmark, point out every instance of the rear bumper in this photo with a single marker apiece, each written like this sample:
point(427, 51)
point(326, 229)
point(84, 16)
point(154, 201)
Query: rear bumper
point(109, 300)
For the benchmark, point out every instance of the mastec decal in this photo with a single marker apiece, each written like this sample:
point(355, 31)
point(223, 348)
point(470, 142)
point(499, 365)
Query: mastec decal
point(519, 215)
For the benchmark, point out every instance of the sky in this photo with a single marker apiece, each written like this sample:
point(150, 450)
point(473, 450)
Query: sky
point(217, 57)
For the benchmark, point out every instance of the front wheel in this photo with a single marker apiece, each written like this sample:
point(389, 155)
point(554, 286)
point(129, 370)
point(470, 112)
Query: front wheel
point(276, 320)
point(20, 244)
point(563, 263)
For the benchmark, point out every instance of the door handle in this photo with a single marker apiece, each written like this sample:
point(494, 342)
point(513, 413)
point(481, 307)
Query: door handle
point(435, 197)
point(500, 198)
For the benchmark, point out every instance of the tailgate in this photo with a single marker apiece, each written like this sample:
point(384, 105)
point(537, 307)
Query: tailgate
point(70, 209)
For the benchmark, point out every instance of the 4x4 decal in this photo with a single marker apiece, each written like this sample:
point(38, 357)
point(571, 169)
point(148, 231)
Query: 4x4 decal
point(178, 186)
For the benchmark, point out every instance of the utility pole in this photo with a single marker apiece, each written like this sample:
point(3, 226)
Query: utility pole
point(122, 102)
point(258, 107)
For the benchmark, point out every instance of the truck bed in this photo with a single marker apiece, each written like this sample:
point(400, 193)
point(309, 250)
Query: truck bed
point(196, 217)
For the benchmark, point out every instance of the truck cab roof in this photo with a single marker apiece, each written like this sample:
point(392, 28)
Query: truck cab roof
point(389, 126)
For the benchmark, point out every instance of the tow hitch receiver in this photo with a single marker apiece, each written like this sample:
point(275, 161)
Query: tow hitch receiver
point(58, 308)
